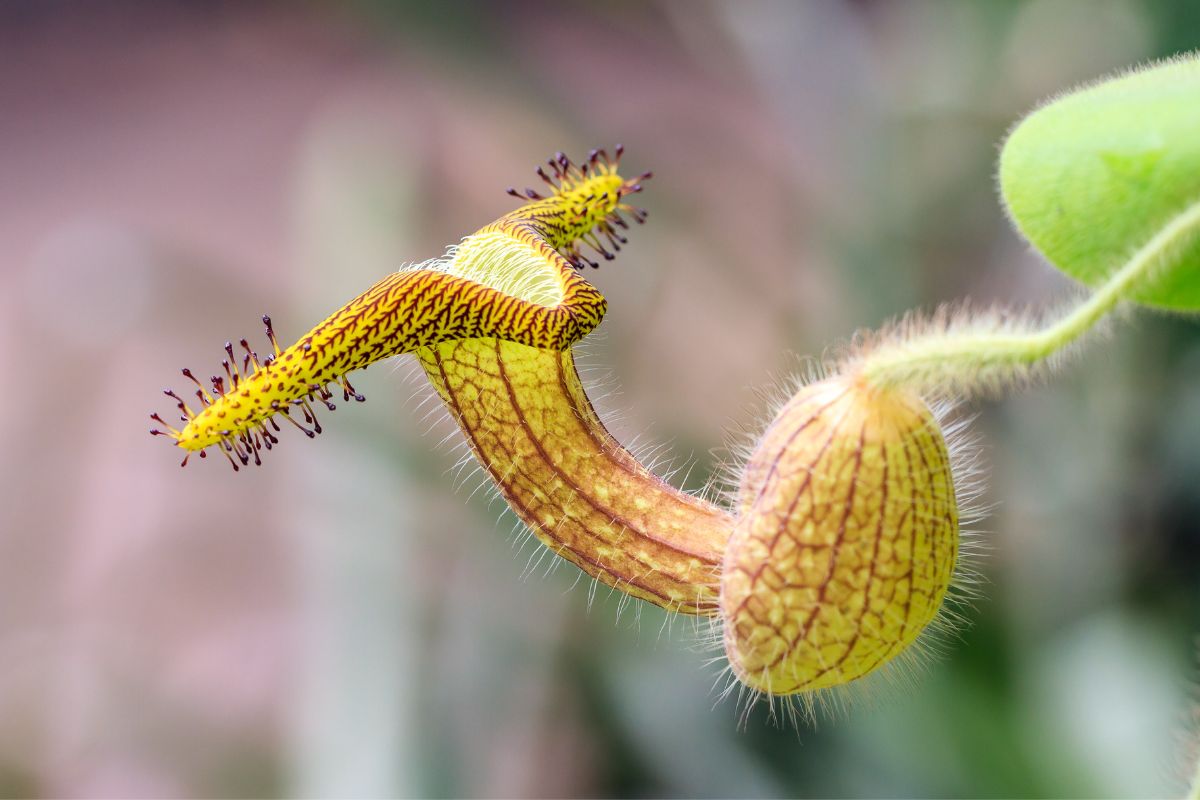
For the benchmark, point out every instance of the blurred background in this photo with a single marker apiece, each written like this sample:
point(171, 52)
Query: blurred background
point(347, 620)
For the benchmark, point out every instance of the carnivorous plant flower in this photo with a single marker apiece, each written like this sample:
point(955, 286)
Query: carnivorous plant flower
point(843, 539)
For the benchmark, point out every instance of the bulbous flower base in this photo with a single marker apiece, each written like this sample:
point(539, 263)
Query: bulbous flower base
point(846, 539)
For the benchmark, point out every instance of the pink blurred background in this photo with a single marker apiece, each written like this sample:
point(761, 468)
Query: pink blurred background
point(345, 621)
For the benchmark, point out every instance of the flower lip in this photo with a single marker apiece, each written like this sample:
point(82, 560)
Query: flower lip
point(513, 280)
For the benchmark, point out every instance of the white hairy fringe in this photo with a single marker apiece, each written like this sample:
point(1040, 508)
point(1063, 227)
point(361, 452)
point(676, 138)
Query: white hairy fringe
point(497, 260)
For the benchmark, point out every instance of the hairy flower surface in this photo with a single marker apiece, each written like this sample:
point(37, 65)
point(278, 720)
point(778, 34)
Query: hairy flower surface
point(528, 420)
point(843, 540)
point(846, 538)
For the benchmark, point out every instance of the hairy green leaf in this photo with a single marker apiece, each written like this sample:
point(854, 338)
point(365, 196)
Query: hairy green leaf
point(1094, 174)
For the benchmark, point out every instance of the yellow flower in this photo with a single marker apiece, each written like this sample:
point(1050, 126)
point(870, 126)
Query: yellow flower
point(845, 535)
point(446, 299)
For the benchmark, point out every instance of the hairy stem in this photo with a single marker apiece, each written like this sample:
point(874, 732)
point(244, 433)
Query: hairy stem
point(964, 361)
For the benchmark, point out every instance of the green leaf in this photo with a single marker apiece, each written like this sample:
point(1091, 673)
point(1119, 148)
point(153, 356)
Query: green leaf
point(1094, 174)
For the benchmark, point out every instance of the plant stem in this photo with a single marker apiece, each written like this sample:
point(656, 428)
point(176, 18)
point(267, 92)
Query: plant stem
point(946, 357)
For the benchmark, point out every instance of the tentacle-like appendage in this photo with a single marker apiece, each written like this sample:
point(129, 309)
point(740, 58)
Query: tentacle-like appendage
point(515, 279)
